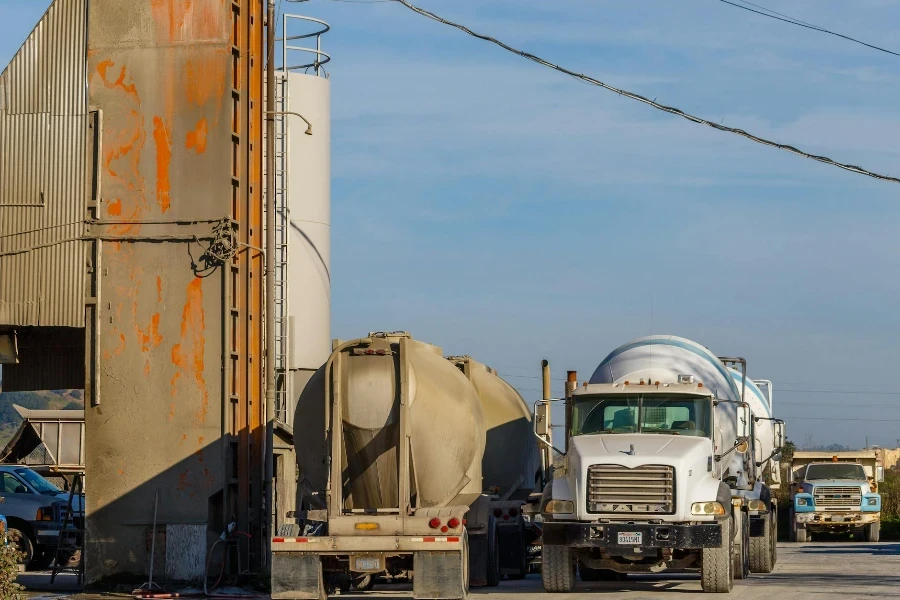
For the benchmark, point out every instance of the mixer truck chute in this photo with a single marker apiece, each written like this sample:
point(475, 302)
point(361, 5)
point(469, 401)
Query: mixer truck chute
point(659, 466)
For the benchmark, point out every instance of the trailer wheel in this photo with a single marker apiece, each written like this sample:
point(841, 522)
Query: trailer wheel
point(717, 565)
point(557, 569)
point(872, 532)
point(762, 559)
point(741, 556)
point(493, 554)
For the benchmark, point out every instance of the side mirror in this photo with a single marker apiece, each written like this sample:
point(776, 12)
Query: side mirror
point(879, 474)
point(777, 456)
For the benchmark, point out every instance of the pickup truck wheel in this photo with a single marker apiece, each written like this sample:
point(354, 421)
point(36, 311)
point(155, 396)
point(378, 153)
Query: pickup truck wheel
point(42, 559)
point(762, 559)
point(19, 540)
point(717, 565)
point(557, 569)
point(872, 532)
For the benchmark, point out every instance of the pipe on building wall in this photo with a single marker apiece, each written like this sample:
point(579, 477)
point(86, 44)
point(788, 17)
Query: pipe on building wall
point(270, 272)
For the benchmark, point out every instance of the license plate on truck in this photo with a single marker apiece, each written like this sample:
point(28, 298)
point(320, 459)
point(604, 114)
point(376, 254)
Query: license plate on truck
point(631, 539)
point(367, 563)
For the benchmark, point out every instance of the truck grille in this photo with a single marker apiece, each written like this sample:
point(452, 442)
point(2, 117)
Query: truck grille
point(827, 496)
point(649, 489)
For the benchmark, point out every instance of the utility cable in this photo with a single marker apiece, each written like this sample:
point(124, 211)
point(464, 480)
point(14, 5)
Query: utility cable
point(671, 110)
point(799, 23)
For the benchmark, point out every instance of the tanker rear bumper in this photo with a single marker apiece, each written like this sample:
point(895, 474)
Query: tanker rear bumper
point(606, 535)
point(298, 574)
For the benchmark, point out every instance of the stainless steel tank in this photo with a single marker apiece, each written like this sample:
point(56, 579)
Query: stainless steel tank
point(366, 385)
point(510, 468)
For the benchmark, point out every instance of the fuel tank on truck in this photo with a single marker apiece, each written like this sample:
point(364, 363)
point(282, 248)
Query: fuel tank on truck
point(663, 359)
point(510, 467)
point(760, 408)
point(364, 382)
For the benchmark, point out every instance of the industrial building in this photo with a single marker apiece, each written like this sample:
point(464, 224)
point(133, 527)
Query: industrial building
point(133, 261)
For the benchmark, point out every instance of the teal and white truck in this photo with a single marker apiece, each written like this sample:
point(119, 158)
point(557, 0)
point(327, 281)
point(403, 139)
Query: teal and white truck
point(836, 492)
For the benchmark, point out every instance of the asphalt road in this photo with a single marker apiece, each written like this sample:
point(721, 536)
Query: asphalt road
point(815, 571)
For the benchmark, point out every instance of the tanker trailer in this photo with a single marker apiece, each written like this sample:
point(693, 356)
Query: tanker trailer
point(766, 441)
point(510, 469)
point(389, 461)
point(654, 457)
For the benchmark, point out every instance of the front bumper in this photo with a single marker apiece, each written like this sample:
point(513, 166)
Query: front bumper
point(834, 520)
point(606, 535)
point(47, 534)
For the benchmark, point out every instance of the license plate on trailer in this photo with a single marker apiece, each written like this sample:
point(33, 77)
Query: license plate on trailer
point(367, 563)
point(631, 539)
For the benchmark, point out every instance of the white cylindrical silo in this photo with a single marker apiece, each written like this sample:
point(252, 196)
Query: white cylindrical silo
point(309, 227)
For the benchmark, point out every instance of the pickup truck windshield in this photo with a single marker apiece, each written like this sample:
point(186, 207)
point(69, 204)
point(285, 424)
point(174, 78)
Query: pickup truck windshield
point(637, 413)
point(37, 482)
point(836, 471)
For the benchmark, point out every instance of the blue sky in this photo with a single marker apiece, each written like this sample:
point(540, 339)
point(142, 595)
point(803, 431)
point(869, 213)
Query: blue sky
point(501, 210)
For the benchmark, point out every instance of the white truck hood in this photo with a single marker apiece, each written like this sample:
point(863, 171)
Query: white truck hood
point(689, 456)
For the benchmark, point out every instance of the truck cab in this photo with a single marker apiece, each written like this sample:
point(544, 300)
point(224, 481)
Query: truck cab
point(641, 489)
point(838, 495)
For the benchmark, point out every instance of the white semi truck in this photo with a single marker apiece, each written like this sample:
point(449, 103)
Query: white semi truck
point(409, 462)
point(662, 470)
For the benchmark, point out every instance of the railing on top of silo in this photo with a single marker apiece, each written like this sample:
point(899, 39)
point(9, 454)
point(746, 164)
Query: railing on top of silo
point(297, 57)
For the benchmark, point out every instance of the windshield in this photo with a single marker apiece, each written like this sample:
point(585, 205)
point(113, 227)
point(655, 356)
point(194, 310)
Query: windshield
point(37, 482)
point(836, 471)
point(636, 413)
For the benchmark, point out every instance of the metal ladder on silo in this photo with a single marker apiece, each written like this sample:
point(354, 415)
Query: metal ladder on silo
point(282, 234)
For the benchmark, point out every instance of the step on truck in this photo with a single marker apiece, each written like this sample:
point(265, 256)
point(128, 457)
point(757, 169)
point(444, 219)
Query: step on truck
point(392, 456)
point(836, 492)
point(658, 448)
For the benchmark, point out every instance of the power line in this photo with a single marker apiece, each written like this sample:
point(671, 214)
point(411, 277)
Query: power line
point(671, 110)
point(854, 392)
point(839, 419)
point(781, 17)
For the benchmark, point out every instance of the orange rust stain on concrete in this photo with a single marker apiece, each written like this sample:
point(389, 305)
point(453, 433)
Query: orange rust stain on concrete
point(150, 338)
point(196, 140)
point(163, 161)
point(188, 354)
point(171, 412)
point(114, 208)
point(204, 79)
point(123, 142)
point(120, 347)
point(183, 438)
point(146, 368)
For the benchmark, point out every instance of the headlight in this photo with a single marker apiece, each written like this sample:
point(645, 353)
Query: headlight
point(801, 501)
point(872, 501)
point(757, 505)
point(707, 508)
point(560, 507)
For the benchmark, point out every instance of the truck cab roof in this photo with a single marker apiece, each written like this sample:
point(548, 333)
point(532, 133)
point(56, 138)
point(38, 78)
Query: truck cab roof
point(628, 387)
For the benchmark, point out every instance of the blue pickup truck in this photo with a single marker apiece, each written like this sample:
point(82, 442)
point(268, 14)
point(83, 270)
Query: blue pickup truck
point(35, 509)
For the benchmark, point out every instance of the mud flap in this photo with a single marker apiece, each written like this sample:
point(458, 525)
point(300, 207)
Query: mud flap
point(438, 575)
point(297, 576)
point(478, 560)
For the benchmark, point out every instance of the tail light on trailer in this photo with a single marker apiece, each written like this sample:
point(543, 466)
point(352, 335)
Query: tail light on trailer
point(434, 523)
point(453, 523)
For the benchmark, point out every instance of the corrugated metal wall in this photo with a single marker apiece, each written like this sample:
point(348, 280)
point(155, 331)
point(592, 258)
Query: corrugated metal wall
point(43, 173)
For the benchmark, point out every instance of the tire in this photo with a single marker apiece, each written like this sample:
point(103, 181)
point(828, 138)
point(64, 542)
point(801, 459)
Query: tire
point(364, 584)
point(762, 559)
point(493, 554)
point(717, 565)
point(872, 532)
point(792, 527)
point(557, 569)
point(23, 544)
point(741, 556)
point(42, 559)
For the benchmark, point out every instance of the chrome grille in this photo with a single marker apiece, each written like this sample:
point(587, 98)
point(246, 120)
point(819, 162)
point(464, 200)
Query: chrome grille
point(832, 496)
point(649, 489)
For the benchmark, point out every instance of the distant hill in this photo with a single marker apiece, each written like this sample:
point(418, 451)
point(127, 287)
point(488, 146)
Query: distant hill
point(43, 400)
